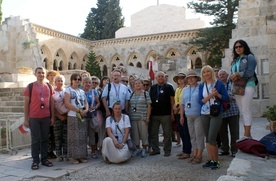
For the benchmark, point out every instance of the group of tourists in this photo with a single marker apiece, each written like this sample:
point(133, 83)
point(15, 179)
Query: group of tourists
point(106, 114)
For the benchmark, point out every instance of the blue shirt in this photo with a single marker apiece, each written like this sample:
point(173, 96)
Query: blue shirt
point(190, 96)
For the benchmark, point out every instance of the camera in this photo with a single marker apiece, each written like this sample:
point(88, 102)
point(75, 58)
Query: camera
point(116, 137)
point(134, 109)
point(42, 106)
point(188, 105)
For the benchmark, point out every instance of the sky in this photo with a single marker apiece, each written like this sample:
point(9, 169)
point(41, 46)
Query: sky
point(69, 16)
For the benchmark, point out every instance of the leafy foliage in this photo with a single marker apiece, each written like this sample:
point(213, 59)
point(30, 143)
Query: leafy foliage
point(92, 66)
point(270, 114)
point(102, 22)
point(215, 39)
point(1, 11)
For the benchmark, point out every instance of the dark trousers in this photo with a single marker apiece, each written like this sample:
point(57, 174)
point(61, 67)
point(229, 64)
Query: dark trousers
point(184, 134)
point(40, 137)
point(233, 123)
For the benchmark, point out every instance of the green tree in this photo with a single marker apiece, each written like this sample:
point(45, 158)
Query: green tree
point(92, 66)
point(102, 22)
point(1, 11)
point(215, 39)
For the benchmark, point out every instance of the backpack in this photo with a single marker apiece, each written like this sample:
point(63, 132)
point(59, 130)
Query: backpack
point(102, 108)
point(145, 95)
point(253, 147)
point(270, 143)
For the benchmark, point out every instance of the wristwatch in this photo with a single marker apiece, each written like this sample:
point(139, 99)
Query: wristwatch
point(123, 144)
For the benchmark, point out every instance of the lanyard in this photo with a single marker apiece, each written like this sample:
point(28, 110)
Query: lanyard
point(117, 91)
point(159, 90)
point(41, 92)
point(93, 97)
point(191, 93)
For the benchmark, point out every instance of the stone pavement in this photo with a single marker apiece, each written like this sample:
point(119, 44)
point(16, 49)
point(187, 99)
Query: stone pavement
point(243, 167)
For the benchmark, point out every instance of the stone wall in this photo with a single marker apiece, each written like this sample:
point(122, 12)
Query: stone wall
point(256, 25)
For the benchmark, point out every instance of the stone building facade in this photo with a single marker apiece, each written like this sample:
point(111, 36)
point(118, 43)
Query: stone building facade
point(23, 43)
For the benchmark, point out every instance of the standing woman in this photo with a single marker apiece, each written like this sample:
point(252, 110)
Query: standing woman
point(210, 90)
point(243, 66)
point(76, 102)
point(179, 116)
point(60, 125)
point(140, 109)
point(191, 107)
point(93, 103)
point(101, 111)
point(115, 149)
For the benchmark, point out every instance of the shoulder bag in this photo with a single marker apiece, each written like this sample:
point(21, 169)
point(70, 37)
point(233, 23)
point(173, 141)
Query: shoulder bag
point(214, 108)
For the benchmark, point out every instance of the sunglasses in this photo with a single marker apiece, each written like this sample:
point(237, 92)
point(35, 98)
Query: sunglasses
point(236, 47)
point(125, 81)
point(146, 84)
point(94, 82)
point(77, 79)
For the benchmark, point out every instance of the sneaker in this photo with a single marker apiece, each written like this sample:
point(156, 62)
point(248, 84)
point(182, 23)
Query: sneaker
point(134, 153)
point(222, 153)
point(208, 164)
point(143, 153)
point(167, 153)
point(215, 165)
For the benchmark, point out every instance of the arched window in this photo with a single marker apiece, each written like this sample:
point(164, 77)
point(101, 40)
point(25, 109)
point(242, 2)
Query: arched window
point(55, 65)
point(198, 63)
point(75, 66)
point(60, 65)
point(104, 70)
point(131, 64)
point(139, 65)
point(69, 66)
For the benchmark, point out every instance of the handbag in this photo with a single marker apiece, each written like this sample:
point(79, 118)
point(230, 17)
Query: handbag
point(225, 105)
point(239, 86)
point(60, 107)
point(253, 147)
point(214, 109)
point(131, 145)
point(94, 123)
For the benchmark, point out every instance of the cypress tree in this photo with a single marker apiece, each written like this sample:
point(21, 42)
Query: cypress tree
point(92, 66)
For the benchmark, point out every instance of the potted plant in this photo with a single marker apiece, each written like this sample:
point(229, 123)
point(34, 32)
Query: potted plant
point(270, 114)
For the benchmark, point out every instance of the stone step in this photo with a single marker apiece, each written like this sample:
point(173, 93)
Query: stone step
point(12, 98)
point(12, 89)
point(12, 103)
point(4, 94)
point(14, 109)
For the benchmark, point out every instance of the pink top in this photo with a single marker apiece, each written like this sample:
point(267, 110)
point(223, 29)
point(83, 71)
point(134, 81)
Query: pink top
point(40, 98)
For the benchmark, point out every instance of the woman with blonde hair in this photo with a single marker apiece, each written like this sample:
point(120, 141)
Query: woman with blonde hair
point(211, 91)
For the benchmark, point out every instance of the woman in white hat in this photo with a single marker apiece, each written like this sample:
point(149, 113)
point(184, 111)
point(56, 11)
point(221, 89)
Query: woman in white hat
point(191, 106)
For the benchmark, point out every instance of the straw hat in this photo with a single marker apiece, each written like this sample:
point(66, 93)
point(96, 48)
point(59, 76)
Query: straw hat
point(192, 73)
point(175, 78)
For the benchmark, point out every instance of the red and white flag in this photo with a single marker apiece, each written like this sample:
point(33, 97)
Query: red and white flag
point(151, 73)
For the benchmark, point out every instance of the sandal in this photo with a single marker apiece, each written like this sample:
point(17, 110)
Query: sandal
point(197, 160)
point(94, 155)
point(47, 163)
point(35, 166)
point(192, 159)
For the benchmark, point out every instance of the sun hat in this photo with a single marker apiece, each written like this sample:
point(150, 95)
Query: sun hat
point(192, 73)
point(180, 74)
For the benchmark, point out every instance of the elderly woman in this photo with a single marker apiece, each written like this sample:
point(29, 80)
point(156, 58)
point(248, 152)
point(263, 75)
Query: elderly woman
point(60, 125)
point(93, 103)
point(191, 106)
point(115, 149)
point(210, 91)
point(140, 109)
point(75, 101)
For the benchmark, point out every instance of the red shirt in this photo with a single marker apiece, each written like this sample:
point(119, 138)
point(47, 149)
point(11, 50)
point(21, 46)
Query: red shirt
point(39, 92)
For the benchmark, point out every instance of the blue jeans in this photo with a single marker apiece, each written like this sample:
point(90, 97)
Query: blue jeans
point(184, 134)
point(40, 138)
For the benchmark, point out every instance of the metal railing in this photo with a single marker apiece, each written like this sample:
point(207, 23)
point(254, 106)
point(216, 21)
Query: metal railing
point(9, 123)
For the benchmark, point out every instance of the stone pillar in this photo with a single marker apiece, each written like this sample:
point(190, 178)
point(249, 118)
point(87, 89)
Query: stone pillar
point(257, 26)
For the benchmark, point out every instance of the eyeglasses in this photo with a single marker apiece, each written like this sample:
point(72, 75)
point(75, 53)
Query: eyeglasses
point(125, 81)
point(146, 84)
point(216, 70)
point(77, 79)
point(94, 82)
point(236, 47)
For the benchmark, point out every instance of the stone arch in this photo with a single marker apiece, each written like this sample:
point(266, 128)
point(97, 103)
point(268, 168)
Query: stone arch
point(61, 65)
point(172, 53)
point(194, 58)
point(117, 60)
point(74, 60)
point(55, 65)
point(102, 63)
point(82, 67)
point(134, 58)
point(60, 56)
point(46, 57)
point(69, 66)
